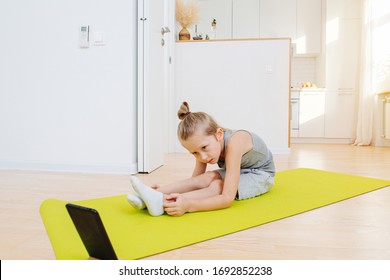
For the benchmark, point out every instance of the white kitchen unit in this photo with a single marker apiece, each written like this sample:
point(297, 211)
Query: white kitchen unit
point(345, 9)
point(340, 115)
point(323, 117)
point(342, 68)
point(307, 114)
point(338, 102)
point(309, 27)
point(278, 19)
point(300, 20)
point(246, 19)
point(343, 55)
point(311, 113)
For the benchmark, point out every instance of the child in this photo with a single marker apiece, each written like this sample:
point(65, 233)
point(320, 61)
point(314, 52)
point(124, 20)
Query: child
point(247, 169)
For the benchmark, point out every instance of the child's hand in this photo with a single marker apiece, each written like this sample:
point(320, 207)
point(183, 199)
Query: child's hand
point(175, 205)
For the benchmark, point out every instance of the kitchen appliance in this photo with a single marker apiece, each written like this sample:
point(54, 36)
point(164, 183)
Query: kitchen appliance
point(294, 113)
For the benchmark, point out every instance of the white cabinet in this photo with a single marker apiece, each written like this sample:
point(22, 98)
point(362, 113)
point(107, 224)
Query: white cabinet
point(343, 42)
point(343, 54)
point(340, 115)
point(278, 18)
point(300, 20)
point(342, 83)
point(311, 114)
point(344, 9)
point(246, 19)
point(309, 32)
point(342, 67)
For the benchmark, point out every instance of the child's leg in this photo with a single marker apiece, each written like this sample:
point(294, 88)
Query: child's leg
point(176, 204)
point(254, 183)
point(191, 184)
point(215, 188)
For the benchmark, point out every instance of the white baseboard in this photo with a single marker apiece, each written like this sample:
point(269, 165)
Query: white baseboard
point(305, 140)
point(59, 167)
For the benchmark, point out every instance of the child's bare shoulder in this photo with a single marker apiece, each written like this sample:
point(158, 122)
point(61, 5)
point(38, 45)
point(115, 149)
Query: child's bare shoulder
point(241, 140)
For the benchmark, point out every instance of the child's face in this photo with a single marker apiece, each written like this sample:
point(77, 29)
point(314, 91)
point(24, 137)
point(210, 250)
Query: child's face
point(205, 148)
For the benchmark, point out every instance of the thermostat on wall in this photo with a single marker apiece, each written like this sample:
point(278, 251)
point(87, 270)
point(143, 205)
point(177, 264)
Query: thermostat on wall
point(84, 36)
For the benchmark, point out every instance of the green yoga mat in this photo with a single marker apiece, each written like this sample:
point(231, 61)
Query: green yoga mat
point(135, 234)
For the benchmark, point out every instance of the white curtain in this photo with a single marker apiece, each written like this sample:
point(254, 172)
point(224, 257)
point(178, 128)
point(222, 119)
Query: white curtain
point(365, 118)
point(375, 64)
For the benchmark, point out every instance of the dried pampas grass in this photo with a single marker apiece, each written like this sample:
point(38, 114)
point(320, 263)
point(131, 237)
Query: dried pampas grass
point(187, 12)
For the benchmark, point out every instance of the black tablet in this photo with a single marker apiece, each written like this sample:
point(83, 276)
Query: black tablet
point(92, 232)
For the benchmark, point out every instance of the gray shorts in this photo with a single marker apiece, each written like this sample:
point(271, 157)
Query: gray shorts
point(253, 182)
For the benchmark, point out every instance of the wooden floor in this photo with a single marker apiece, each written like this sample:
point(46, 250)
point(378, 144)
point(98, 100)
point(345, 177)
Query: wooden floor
point(358, 228)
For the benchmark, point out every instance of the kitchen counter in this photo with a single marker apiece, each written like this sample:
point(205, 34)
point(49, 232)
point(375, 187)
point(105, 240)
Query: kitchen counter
point(230, 40)
point(308, 89)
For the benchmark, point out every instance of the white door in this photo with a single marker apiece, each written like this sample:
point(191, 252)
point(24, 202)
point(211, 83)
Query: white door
point(152, 40)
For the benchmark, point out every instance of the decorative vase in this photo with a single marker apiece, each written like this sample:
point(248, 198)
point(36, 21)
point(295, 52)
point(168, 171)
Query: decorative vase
point(184, 34)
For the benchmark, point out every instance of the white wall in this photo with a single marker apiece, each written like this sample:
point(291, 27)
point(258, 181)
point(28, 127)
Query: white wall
point(243, 84)
point(63, 107)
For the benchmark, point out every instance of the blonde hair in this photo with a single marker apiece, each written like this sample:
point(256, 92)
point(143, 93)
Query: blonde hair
point(190, 122)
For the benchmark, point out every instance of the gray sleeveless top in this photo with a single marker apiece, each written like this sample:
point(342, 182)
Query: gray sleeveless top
point(259, 157)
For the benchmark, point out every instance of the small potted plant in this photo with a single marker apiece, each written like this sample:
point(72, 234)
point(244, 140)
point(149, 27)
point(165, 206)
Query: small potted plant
point(214, 28)
point(214, 23)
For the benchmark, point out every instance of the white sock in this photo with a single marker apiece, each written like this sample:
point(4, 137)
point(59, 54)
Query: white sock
point(152, 198)
point(136, 201)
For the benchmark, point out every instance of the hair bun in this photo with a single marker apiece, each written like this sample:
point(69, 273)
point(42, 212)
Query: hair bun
point(184, 110)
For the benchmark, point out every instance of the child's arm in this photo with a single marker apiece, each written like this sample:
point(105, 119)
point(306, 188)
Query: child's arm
point(239, 144)
point(200, 168)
